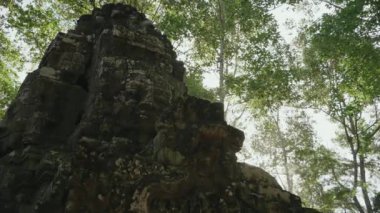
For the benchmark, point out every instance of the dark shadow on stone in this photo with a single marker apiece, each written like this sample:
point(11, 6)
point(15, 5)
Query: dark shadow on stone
point(105, 125)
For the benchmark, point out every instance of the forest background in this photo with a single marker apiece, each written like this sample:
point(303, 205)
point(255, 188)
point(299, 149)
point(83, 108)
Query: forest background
point(301, 77)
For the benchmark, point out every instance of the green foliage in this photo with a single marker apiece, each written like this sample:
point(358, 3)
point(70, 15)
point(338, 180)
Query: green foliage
point(9, 65)
point(37, 22)
point(342, 51)
point(291, 150)
point(239, 37)
point(341, 77)
point(35, 25)
point(8, 87)
point(194, 83)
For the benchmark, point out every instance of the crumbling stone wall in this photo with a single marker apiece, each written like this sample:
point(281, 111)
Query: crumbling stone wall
point(105, 125)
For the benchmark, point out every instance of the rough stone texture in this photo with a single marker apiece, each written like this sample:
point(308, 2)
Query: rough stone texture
point(105, 125)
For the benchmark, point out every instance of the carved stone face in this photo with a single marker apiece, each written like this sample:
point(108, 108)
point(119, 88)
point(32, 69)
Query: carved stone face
point(75, 138)
point(134, 83)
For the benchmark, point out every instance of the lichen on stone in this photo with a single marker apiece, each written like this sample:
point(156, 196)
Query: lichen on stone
point(105, 125)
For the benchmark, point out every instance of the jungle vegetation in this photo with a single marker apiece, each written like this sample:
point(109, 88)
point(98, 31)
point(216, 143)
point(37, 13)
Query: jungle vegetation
point(332, 67)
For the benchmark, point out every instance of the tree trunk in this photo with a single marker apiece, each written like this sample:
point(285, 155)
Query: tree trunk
point(355, 165)
point(97, 128)
point(289, 179)
point(221, 72)
point(361, 165)
point(363, 184)
point(221, 54)
point(357, 205)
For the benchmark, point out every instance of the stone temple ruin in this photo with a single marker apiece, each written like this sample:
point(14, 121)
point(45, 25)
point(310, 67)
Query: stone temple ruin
point(105, 125)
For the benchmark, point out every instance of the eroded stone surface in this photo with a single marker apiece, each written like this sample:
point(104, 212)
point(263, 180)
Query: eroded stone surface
point(105, 125)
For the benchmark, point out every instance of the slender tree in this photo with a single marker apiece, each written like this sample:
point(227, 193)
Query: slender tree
point(239, 40)
point(341, 78)
point(303, 165)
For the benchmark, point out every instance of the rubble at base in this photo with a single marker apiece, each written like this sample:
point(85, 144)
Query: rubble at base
point(105, 125)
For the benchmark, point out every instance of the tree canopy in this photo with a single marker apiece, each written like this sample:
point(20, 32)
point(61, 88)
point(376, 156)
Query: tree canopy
point(341, 77)
point(258, 74)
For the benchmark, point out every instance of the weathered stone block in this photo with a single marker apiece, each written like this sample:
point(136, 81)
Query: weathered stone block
point(105, 125)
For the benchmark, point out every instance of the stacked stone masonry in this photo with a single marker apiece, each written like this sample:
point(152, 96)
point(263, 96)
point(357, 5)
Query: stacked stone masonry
point(105, 125)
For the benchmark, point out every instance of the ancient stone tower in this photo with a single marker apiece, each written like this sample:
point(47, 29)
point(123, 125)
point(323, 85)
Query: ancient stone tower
point(105, 125)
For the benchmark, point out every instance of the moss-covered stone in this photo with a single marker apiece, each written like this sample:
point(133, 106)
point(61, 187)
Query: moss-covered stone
point(105, 125)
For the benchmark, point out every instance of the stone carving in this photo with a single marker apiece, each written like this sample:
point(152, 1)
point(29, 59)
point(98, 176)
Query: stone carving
point(105, 125)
